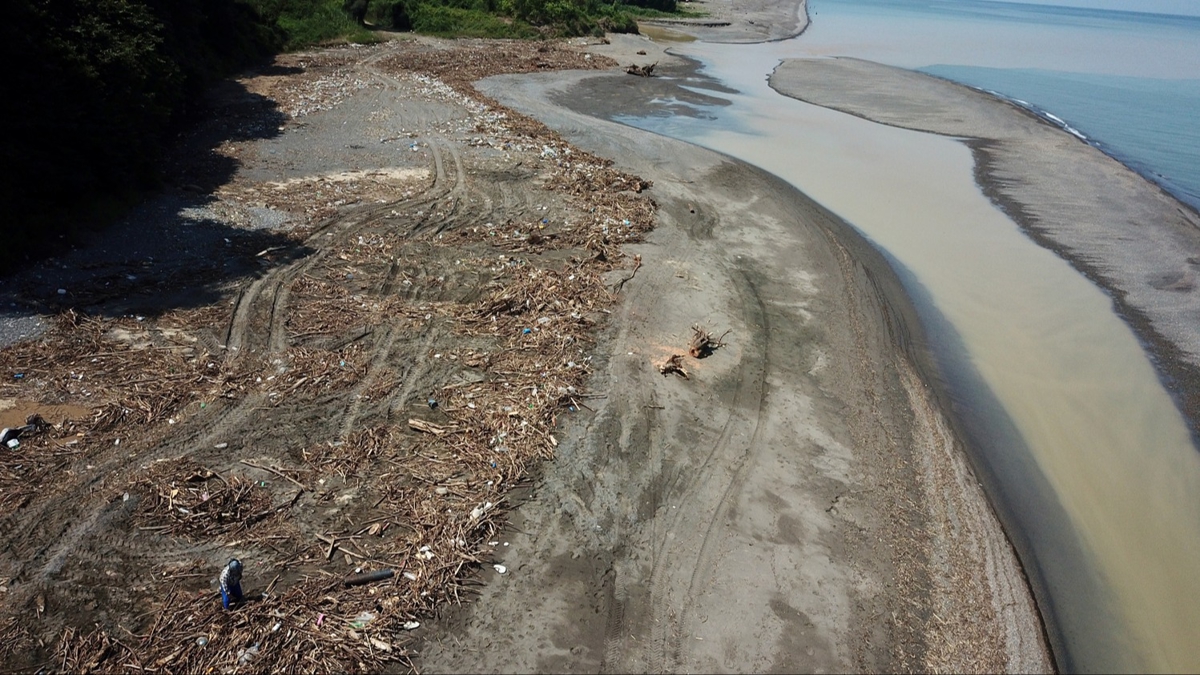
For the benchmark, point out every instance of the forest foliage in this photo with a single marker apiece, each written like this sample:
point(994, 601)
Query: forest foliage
point(96, 88)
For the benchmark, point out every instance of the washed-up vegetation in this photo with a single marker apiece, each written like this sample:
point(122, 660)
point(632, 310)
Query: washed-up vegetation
point(349, 425)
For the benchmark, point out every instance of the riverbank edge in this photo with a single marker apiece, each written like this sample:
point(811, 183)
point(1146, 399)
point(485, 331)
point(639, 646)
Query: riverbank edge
point(908, 336)
point(1117, 229)
point(750, 22)
point(946, 474)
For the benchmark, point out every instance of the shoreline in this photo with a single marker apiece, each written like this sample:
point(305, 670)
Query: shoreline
point(938, 478)
point(752, 21)
point(1126, 235)
point(1150, 285)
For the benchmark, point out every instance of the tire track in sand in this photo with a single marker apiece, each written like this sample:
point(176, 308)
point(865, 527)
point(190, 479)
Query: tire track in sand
point(675, 569)
point(58, 529)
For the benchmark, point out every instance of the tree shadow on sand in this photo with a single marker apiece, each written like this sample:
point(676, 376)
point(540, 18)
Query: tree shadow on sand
point(179, 248)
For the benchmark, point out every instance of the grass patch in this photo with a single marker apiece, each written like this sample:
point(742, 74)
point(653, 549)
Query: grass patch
point(680, 12)
point(313, 22)
point(455, 22)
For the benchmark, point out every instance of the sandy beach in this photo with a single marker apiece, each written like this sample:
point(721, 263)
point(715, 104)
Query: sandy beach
point(813, 489)
point(798, 502)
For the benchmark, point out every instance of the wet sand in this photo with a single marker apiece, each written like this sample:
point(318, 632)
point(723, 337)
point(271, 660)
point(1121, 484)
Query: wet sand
point(799, 504)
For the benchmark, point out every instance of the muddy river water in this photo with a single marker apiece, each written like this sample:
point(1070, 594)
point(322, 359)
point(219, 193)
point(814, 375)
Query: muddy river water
point(1081, 447)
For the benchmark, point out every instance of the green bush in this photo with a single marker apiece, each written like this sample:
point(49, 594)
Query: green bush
point(313, 22)
point(451, 21)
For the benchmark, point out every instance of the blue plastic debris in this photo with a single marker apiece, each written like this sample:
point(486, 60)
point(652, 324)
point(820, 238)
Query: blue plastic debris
point(231, 583)
point(526, 331)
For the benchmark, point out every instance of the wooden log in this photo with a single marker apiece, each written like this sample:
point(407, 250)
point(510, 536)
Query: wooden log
point(674, 364)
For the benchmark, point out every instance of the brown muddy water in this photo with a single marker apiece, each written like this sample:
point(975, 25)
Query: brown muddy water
point(1082, 450)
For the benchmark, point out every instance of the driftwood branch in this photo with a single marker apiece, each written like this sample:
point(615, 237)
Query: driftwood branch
point(637, 265)
point(641, 71)
point(703, 344)
point(674, 364)
point(427, 427)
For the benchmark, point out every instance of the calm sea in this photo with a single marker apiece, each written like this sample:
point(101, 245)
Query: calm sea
point(1127, 82)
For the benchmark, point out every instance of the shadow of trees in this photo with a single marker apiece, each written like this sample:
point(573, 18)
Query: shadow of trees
point(176, 247)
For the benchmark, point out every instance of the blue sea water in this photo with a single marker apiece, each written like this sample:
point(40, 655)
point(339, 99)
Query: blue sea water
point(1151, 125)
point(1128, 82)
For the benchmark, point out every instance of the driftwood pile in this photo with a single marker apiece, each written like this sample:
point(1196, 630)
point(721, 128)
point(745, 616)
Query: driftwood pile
point(432, 484)
point(674, 364)
point(702, 346)
point(641, 71)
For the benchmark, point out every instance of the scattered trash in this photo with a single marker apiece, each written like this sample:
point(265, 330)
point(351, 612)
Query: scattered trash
point(412, 625)
point(231, 584)
point(362, 619)
point(18, 376)
point(526, 331)
point(479, 511)
point(433, 404)
point(247, 655)
point(62, 291)
point(201, 641)
point(500, 569)
point(368, 577)
point(221, 446)
point(320, 619)
point(34, 424)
